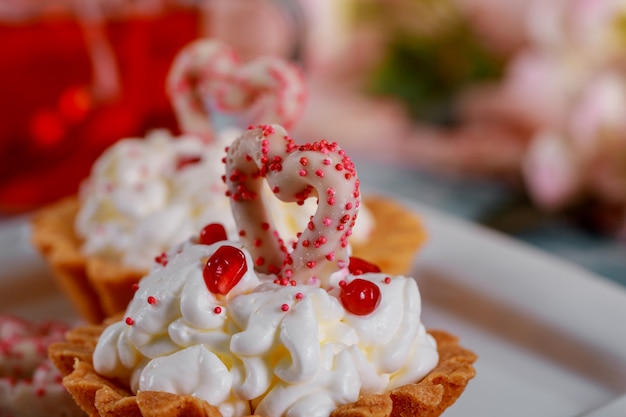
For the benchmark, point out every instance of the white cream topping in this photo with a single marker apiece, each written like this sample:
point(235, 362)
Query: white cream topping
point(272, 349)
point(139, 201)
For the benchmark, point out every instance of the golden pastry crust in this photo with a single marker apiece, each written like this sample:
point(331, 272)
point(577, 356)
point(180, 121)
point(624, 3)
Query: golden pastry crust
point(103, 397)
point(397, 235)
point(99, 288)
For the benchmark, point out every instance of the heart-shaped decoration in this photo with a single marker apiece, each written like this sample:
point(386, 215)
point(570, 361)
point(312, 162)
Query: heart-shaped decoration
point(294, 173)
point(209, 70)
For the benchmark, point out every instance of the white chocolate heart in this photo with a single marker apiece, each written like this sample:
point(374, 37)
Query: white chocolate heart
point(294, 173)
point(210, 70)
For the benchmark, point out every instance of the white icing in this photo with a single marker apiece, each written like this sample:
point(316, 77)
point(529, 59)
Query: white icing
point(304, 361)
point(136, 204)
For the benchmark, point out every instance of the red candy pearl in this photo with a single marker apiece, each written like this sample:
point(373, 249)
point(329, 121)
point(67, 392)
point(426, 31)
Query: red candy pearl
point(360, 297)
point(359, 266)
point(224, 269)
point(212, 233)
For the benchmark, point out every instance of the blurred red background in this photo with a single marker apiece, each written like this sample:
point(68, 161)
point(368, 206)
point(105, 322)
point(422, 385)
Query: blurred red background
point(55, 118)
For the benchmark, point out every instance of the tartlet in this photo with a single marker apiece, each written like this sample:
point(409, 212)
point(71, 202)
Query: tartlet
point(105, 397)
point(231, 328)
point(99, 288)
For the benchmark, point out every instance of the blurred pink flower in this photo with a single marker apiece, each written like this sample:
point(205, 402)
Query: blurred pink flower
point(566, 91)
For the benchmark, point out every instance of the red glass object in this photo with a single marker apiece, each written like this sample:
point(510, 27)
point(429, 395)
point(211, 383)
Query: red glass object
point(52, 124)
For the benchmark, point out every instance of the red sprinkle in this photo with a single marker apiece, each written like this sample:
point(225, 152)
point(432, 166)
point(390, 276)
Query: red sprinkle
point(217, 310)
point(130, 321)
point(152, 300)
point(285, 307)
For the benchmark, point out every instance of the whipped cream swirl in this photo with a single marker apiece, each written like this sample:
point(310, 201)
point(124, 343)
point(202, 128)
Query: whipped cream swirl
point(145, 195)
point(266, 347)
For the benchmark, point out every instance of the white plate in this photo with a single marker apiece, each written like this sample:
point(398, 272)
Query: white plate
point(550, 336)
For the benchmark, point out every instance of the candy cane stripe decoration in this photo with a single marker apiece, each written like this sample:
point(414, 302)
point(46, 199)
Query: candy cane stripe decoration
point(318, 170)
point(209, 71)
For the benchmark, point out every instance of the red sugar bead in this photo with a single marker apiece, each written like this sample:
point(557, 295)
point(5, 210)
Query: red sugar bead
point(360, 297)
point(224, 269)
point(212, 233)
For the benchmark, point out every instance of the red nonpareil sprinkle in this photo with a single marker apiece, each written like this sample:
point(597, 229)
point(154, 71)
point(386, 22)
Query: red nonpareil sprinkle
point(302, 173)
point(299, 296)
point(260, 261)
point(151, 300)
point(387, 280)
point(265, 226)
point(161, 259)
point(134, 287)
point(284, 307)
point(217, 310)
point(129, 321)
point(319, 173)
point(267, 130)
point(304, 161)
